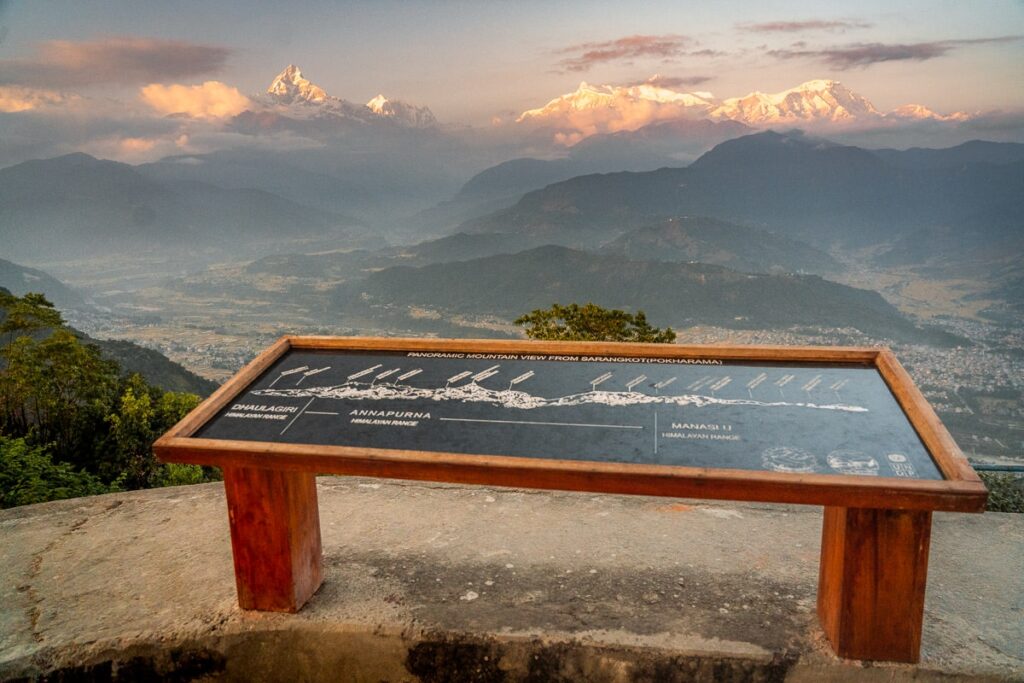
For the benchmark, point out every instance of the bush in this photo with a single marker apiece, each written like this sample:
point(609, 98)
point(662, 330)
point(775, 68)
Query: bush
point(591, 322)
point(28, 475)
point(1005, 491)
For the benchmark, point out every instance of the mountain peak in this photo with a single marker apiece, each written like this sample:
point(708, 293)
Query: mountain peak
point(402, 112)
point(819, 84)
point(378, 103)
point(920, 112)
point(812, 101)
point(290, 86)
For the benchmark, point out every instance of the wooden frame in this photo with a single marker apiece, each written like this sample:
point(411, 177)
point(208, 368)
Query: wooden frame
point(960, 490)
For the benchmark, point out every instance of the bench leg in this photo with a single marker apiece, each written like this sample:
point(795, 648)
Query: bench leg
point(874, 566)
point(275, 537)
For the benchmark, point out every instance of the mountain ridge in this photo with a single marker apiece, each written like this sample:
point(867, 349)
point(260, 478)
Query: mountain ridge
point(79, 205)
point(593, 109)
point(512, 284)
point(816, 191)
point(300, 97)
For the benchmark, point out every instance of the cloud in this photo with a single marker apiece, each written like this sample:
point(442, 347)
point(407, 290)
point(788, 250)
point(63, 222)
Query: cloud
point(839, 25)
point(586, 55)
point(212, 99)
point(706, 52)
point(16, 98)
point(672, 82)
point(119, 60)
point(608, 109)
point(854, 55)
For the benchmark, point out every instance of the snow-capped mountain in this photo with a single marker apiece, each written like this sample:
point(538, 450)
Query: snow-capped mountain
point(299, 97)
point(402, 112)
point(922, 113)
point(813, 101)
point(289, 87)
point(594, 109)
point(590, 97)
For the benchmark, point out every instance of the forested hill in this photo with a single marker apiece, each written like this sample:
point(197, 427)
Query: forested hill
point(678, 293)
point(155, 368)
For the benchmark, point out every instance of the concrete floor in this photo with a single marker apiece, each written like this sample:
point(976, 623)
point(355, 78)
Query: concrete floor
point(437, 582)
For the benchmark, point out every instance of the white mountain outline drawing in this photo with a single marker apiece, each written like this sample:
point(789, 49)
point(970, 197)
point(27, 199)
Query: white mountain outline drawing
point(521, 400)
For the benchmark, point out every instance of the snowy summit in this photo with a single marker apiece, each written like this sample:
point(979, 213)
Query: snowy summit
point(290, 89)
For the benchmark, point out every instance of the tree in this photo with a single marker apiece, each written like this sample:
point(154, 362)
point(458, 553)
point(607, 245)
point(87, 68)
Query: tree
point(29, 475)
point(54, 389)
point(70, 424)
point(144, 413)
point(592, 323)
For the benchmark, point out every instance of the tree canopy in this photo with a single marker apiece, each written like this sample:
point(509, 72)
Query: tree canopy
point(71, 423)
point(591, 322)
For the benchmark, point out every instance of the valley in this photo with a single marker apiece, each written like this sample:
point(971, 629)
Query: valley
point(915, 249)
point(214, 320)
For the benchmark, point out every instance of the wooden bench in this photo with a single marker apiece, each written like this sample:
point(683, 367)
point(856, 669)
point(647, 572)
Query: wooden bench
point(844, 428)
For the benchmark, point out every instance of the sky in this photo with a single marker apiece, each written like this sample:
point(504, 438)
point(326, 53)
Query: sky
point(472, 61)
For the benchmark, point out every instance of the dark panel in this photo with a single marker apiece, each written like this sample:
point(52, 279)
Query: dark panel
point(783, 417)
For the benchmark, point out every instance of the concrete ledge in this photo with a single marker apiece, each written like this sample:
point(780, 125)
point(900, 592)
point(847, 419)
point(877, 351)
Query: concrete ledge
point(438, 583)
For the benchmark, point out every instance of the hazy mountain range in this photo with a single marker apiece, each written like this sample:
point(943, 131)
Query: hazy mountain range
point(730, 239)
point(796, 185)
point(77, 205)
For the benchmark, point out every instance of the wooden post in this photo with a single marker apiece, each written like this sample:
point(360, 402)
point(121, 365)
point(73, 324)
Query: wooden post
point(874, 566)
point(275, 537)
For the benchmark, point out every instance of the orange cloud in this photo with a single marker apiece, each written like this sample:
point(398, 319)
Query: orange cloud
point(15, 99)
point(212, 99)
point(137, 145)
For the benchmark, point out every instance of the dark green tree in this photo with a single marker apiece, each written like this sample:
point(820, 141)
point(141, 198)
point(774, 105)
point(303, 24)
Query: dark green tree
point(591, 322)
point(143, 414)
point(29, 475)
point(54, 389)
point(71, 424)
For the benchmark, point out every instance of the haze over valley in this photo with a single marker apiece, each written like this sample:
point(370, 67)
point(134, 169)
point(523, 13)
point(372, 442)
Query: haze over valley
point(203, 208)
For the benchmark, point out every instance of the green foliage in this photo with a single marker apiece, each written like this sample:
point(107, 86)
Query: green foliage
point(70, 421)
point(592, 323)
point(176, 474)
point(27, 314)
point(1005, 491)
point(29, 475)
point(144, 413)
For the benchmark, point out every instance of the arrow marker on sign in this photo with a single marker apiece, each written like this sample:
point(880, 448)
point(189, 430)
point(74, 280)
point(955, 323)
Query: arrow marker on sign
point(720, 384)
point(521, 378)
point(310, 373)
point(598, 380)
point(458, 377)
point(363, 373)
point(407, 375)
point(484, 374)
point(633, 382)
point(285, 373)
point(664, 383)
point(386, 373)
point(815, 381)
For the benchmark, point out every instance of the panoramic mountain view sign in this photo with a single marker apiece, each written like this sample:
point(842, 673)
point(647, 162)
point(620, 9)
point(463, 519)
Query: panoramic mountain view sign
point(764, 253)
point(764, 176)
point(776, 417)
point(771, 175)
